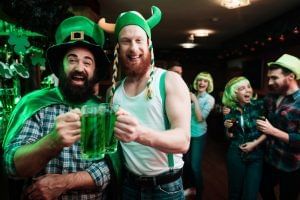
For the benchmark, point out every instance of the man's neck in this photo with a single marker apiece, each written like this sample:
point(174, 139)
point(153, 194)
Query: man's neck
point(292, 89)
point(135, 85)
point(140, 78)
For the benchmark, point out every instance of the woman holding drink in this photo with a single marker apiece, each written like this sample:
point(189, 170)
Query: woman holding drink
point(245, 154)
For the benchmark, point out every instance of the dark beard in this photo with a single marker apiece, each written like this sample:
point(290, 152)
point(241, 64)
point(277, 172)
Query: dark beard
point(281, 90)
point(76, 93)
point(133, 70)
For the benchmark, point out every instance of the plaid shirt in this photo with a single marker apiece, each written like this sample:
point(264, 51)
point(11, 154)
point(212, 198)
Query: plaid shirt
point(284, 156)
point(244, 128)
point(68, 161)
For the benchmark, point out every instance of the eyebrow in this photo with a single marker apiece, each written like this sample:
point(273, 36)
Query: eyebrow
point(85, 57)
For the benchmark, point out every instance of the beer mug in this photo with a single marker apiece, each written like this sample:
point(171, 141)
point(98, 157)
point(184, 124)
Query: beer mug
point(97, 130)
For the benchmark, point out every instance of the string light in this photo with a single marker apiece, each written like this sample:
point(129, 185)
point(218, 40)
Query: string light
point(296, 30)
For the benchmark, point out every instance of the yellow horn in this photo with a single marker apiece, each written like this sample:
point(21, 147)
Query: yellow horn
point(107, 27)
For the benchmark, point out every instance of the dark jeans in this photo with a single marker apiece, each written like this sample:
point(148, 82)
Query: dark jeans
point(289, 183)
point(169, 191)
point(193, 164)
point(244, 176)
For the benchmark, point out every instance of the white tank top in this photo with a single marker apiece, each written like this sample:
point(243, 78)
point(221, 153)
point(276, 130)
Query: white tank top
point(141, 159)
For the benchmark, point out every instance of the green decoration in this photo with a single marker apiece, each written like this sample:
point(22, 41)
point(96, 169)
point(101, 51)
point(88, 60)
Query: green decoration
point(19, 42)
point(38, 59)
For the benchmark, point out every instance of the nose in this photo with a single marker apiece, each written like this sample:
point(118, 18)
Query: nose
point(80, 65)
point(133, 46)
point(270, 82)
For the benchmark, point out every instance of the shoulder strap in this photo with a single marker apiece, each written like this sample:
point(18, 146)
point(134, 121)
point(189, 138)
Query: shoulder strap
point(162, 89)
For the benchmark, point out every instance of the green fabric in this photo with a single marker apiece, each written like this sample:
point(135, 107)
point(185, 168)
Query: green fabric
point(162, 89)
point(30, 104)
point(135, 18)
point(78, 24)
point(33, 102)
point(131, 18)
point(116, 162)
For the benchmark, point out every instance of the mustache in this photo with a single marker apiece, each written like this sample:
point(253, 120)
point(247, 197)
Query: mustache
point(78, 73)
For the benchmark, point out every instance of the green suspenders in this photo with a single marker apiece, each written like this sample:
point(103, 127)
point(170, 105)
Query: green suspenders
point(162, 89)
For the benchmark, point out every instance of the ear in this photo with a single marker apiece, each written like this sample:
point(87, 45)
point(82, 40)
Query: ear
point(292, 76)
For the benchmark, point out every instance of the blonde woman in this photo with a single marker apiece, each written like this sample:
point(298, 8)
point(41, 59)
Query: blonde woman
point(202, 104)
point(245, 154)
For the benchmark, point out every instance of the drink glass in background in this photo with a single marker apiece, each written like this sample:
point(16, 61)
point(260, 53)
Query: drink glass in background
point(92, 137)
point(109, 117)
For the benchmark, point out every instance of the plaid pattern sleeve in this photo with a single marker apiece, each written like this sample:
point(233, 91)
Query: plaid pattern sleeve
point(100, 173)
point(29, 133)
point(285, 117)
point(244, 128)
point(68, 161)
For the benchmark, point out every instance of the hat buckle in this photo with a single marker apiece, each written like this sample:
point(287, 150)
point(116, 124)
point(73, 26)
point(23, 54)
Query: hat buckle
point(77, 36)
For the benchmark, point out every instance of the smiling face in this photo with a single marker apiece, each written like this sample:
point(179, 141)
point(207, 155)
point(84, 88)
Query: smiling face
point(243, 92)
point(202, 85)
point(79, 65)
point(278, 81)
point(134, 54)
point(77, 78)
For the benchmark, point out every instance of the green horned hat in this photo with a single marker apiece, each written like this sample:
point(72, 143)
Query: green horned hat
point(78, 31)
point(132, 18)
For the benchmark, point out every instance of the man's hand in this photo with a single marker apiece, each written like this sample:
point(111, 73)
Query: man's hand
point(127, 127)
point(265, 126)
point(47, 187)
point(67, 128)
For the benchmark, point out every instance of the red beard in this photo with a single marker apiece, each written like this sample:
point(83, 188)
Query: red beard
point(136, 69)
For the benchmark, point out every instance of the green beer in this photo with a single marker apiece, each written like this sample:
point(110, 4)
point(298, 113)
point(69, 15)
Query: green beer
point(108, 111)
point(111, 140)
point(92, 137)
point(97, 130)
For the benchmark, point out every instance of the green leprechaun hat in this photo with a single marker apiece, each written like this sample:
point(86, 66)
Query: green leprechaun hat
point(78, 31)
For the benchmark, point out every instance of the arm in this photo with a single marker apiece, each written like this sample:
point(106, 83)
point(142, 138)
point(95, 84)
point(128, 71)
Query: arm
point(178, 108)
point(266, 127)
point(207, 107)
point(51, 186)
point(37, 155)
point(250, 146)
point(197, 109)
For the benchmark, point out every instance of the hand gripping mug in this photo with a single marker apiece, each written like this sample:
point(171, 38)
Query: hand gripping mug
point(97, 130)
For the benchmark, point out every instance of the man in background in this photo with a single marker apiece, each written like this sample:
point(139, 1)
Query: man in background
point(175, 66)
point(282, 126)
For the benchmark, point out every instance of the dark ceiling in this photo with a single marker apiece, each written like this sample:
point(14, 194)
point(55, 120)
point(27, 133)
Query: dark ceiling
point(179, 17)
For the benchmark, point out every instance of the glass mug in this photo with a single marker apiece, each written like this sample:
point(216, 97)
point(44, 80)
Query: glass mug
point(97, 130)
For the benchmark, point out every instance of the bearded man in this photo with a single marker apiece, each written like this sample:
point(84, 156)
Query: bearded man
point(150, 98)
point(282, 126)
point(42, 139)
